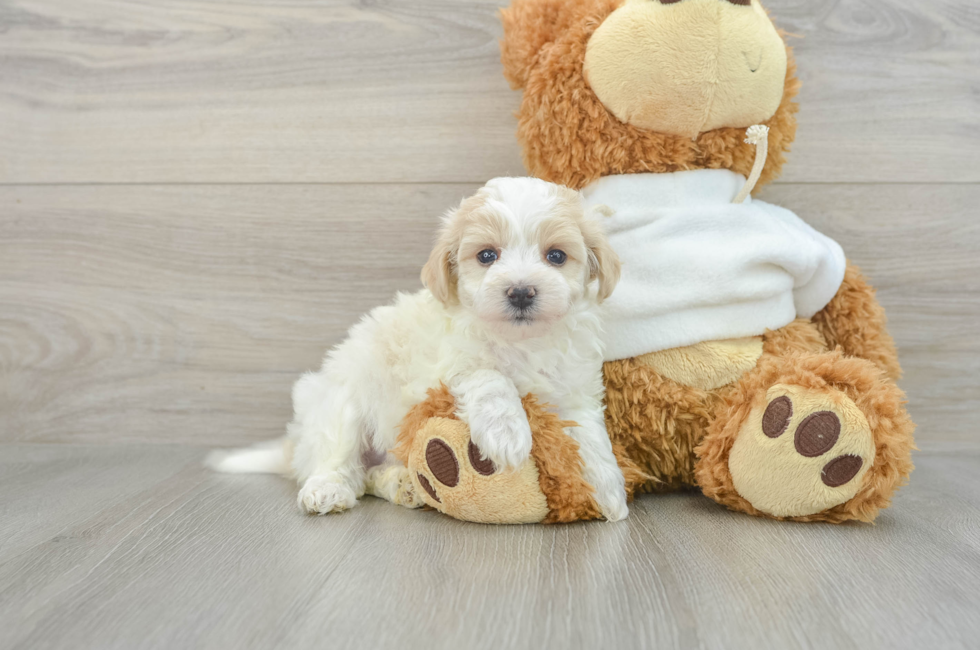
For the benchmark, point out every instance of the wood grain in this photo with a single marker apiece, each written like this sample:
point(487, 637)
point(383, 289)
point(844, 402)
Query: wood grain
point(183, 314)
point(46, 490)
point(405, 91)
point(192, 559)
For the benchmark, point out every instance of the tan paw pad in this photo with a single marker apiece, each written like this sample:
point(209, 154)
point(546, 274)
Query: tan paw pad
point(802, 452)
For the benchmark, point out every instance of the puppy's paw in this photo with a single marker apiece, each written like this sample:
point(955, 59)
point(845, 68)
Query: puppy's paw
point(612, 504)
point(503, 438)
point(609, 486)
point(393, 483)
point(321, 495)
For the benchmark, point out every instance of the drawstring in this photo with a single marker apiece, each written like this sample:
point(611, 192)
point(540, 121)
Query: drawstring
point(759, 136)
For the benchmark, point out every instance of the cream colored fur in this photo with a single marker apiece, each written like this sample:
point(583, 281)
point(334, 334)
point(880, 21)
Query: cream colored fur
point(689, 67)
point(707, 365)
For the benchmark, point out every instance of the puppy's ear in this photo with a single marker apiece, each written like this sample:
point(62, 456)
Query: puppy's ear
point(604, 264)
point(439, 273)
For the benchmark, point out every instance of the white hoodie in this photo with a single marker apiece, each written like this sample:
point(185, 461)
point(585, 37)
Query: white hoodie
point(697, 267)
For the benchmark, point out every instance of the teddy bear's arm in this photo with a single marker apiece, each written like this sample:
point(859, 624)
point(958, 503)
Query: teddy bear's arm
point(855, 321)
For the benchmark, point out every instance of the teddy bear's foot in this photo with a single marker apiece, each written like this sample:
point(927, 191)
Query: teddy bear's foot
point(804, 452)
point(393, 483)
point(818, 437)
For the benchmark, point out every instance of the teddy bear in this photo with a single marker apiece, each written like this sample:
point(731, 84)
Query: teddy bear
point(746, 357)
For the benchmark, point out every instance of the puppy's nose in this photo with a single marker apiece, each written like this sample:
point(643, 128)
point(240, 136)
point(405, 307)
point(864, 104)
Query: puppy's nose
point(521, 297)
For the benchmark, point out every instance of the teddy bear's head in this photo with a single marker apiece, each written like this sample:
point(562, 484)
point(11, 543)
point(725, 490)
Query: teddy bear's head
point(629, 86)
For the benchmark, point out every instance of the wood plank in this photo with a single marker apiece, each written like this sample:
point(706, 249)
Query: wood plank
point(183, 314)
point(202, 560)
point(405, 91)
point(280, 91)
point(45, 490)
point(890, 89)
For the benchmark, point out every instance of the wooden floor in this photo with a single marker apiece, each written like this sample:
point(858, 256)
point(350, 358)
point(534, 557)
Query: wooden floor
point(198, 198)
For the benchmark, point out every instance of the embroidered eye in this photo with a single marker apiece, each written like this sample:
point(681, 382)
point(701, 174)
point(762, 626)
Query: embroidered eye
point(487, 256)
point(557, 257)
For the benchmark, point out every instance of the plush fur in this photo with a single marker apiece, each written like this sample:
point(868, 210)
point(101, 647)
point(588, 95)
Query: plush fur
point(706, 365)
point(862, 382)
point(729, 70)
point(569, 137)
point(682, 435)
point(856, 321)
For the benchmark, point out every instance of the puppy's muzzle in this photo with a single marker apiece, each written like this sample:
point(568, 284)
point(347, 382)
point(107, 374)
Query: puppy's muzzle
point(521, 298)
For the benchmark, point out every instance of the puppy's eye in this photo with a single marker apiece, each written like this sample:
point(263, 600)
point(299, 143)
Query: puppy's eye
point(487, 256)
point(557, 257)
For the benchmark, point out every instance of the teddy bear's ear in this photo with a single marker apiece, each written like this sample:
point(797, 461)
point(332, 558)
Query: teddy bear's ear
point(529, 25)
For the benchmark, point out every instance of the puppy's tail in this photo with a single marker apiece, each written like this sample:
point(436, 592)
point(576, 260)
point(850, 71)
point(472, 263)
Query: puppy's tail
point(272, 457)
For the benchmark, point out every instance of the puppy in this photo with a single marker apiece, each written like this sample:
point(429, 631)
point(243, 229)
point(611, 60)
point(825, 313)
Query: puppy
point(510, 308)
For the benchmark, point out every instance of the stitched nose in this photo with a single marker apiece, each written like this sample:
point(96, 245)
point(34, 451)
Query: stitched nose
point(521, 297)
point(742, 3)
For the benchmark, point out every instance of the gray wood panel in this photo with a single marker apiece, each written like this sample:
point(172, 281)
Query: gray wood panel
point(193, 559)
point(405, 91)
point(183, 314)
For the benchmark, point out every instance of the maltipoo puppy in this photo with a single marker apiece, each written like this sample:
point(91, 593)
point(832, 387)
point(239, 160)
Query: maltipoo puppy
point(510, 307)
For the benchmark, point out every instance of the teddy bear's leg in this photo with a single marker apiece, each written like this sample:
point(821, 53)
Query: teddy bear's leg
point(656, 422)
point(812, 437)
point(392, 481)
point(856, 322)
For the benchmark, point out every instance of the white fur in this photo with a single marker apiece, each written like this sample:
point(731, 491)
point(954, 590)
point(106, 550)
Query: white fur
point(263, 458)
point(351, 408)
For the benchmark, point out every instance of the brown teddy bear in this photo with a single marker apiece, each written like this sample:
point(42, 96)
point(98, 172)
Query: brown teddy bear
point(745, 356)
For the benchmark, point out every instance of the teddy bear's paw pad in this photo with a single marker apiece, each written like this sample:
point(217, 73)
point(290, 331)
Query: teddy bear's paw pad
point(805, 452)
point(841, 470)
point(483, 466)
point(442, 462)
point(424, 482)
point(442, 466)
